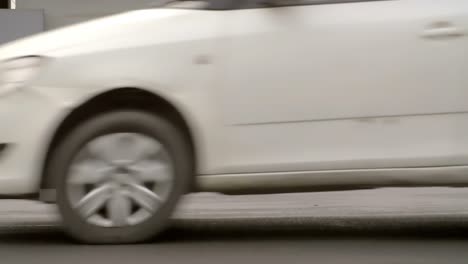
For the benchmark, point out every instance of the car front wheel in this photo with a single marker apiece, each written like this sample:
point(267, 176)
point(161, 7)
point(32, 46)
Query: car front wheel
point(119, 177)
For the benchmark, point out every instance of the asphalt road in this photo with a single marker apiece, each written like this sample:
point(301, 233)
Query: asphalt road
point(425, 225)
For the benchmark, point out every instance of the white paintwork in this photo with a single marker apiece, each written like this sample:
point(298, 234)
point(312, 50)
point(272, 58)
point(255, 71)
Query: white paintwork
point(304, 88)
point(341, 64)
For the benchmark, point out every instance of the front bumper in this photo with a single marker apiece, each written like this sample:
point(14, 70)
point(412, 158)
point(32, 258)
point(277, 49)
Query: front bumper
point(28, 118)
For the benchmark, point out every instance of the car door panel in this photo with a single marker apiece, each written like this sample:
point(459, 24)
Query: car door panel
point(351, 85)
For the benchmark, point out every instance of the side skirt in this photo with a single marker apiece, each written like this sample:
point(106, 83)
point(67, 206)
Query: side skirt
point(331, 180)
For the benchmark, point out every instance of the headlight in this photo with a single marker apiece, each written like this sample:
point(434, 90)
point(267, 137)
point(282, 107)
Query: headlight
point(16, 73)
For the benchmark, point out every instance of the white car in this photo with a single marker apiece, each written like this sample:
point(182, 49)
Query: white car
point(117, 118)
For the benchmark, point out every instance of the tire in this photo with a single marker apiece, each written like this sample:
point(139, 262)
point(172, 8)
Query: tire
point(124, 121)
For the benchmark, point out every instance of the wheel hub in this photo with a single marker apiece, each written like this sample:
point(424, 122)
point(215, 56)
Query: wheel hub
point(120, 179)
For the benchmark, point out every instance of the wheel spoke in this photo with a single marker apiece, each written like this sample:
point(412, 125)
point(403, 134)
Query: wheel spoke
point(123, 148)
point(101, 148)
point(144, 147)
point(144, 197)
point(89, 172)
point(94, 200)
point(119, 208)
point(152, 171)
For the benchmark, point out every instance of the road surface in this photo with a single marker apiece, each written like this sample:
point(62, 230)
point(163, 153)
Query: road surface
point(414, 225)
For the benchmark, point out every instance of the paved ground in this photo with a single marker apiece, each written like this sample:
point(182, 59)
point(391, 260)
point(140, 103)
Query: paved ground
point(425, 225)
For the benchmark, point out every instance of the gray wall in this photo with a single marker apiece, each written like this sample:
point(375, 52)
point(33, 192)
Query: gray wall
point(65, 12)
point(15, 24)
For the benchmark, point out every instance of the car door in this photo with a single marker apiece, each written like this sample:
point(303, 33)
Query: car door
point(340, 84)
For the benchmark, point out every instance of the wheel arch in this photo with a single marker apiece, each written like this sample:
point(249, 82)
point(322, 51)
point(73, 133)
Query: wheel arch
point(118, 98)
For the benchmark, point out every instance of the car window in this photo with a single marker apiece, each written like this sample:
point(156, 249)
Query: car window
point(188, 4)
point(198, 4)
point(282, 3)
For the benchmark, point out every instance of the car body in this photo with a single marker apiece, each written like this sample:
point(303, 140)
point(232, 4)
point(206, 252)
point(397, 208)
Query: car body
point(292, 96)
